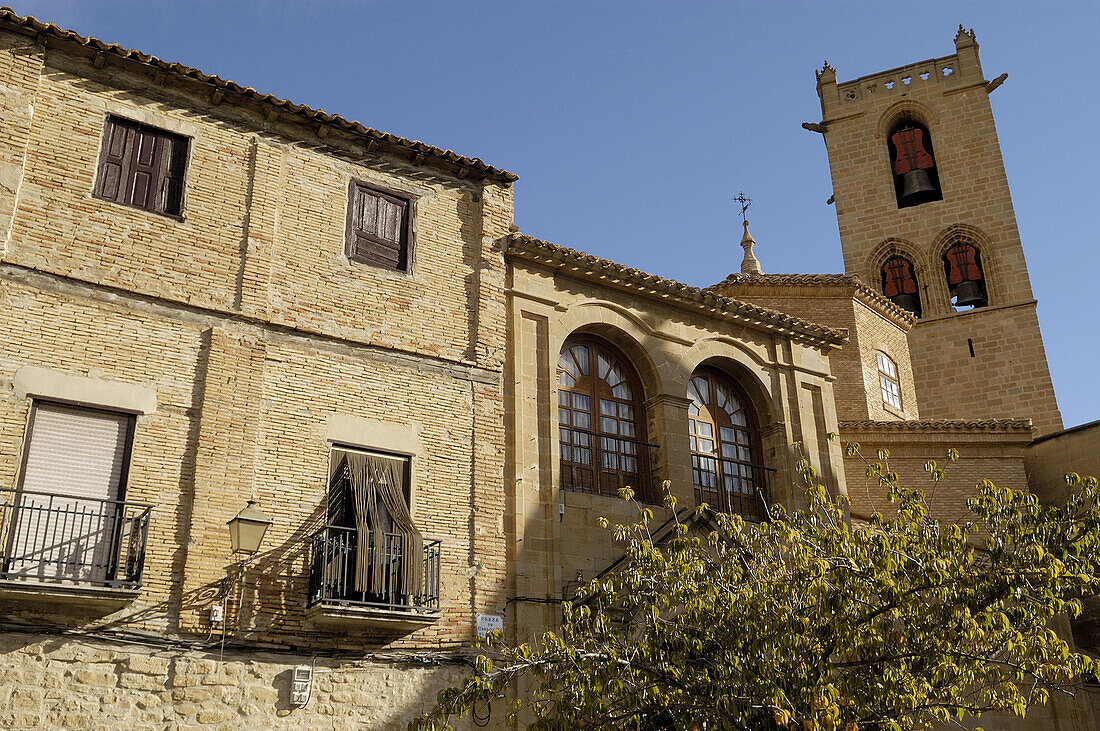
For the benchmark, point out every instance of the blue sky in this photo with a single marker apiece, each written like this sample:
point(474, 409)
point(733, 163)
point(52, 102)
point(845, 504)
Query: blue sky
point(633, 124)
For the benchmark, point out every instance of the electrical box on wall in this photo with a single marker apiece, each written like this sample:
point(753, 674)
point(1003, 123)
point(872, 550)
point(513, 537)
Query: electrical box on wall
point(217, 614)
point(300, 686)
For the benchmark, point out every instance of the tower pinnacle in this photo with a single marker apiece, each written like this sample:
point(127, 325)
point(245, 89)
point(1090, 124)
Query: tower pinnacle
point(749, 265)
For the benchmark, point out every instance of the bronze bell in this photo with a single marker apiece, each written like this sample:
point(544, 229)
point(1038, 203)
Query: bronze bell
point(916, 187)
point(969, 293)
point(907, 302)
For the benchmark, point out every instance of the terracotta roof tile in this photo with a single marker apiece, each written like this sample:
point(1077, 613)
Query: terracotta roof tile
point(862, 291)
point(561, 257)
point(475, 165)
point(1005, 425)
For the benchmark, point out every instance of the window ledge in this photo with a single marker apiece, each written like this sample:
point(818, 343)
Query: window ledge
point(95, 600)
point(349, 615)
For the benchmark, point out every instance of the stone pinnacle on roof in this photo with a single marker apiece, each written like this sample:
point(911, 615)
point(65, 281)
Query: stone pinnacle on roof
point(749, 265)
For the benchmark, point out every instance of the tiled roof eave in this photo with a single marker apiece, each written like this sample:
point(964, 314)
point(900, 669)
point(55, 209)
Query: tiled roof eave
point(571, 261)
point(999, 425)
point(898, 315)
point(32, 26)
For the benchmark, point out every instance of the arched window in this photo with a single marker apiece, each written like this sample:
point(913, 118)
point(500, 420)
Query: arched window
point(601, 421)
point(913, 165)
point(962, 265)
point(725, 446)
point(899, 283)
point(888, 381)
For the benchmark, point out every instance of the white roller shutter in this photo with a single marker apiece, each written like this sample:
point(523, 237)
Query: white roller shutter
point(76, 458)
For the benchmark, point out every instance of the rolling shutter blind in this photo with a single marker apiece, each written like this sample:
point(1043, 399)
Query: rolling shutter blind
point(378, 227)
point(77, 452)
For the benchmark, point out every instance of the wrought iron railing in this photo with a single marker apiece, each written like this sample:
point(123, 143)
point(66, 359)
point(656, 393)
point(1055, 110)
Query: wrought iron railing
point(65, 539)
point(730, 485)
point(332, 578)
point(603, 464)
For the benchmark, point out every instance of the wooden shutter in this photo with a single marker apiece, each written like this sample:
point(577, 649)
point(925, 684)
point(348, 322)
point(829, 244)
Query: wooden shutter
point(378, 226)
point(77, 451)
point(142, 166)
point(114, 165)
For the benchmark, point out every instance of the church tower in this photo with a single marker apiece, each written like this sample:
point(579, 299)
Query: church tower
point(926, 218)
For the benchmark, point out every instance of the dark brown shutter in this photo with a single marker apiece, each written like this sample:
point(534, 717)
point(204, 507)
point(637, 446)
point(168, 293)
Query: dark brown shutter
point(142, 166)
point(144, 169)
point(378, 228)
point(114, 165)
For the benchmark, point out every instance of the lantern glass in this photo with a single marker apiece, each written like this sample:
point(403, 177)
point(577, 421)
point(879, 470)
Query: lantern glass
point(247, 529)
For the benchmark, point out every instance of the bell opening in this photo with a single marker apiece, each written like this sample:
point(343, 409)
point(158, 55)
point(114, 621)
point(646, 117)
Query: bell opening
point(916, 179)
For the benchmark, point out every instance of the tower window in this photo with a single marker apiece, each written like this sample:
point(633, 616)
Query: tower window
point(888, 380)
point(899, 283)
point(916, 180)
point(962, 264)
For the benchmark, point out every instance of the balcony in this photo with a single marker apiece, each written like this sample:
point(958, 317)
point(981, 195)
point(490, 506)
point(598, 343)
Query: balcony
point(602, 464)
point(71, 549)
point(730, 485)
point(380, 596)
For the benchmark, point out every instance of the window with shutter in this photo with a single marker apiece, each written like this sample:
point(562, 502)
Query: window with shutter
point(142, 166)
point(378, 230)
point(67, 517)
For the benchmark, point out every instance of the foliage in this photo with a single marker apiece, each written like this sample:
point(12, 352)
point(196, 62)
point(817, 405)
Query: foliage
point(808, 621)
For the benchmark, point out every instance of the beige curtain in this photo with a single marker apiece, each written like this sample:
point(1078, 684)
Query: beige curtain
point(378, 490)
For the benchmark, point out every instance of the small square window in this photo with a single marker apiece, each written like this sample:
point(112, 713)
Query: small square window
point(379, 228)
point(142, 166)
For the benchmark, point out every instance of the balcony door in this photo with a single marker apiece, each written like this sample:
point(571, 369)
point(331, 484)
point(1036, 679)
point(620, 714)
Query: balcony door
point(64, 522)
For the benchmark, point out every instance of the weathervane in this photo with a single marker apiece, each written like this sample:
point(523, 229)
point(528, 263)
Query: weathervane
point(745, 203)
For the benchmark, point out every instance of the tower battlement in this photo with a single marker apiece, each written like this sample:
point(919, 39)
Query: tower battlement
point(946, 74)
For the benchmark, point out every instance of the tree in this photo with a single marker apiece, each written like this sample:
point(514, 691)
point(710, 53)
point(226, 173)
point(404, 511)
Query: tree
point(808, 621)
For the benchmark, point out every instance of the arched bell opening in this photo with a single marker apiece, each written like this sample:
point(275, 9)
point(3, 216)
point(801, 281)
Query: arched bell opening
point(962, 265)
point(899, 284)
point(913, 162)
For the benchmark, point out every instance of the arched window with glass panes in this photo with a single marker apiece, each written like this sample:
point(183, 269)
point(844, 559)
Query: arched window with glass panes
point(601, 421)
point(725, 446)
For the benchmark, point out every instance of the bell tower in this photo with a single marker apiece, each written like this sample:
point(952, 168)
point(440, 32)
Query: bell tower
point(926, 218)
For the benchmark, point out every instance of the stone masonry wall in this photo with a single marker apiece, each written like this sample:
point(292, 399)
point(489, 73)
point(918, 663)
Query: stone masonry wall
point(950, 97)
point(90, 684)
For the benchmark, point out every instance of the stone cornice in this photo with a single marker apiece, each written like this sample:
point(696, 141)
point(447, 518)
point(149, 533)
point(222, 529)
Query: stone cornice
point(612, 274)
point(820, 285)
point(226, 91)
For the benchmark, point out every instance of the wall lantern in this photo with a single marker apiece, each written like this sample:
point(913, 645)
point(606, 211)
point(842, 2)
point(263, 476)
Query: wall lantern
point(247, 529)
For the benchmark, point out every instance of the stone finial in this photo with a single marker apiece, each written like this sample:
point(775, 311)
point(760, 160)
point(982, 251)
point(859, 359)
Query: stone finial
point(965, 38)
point(749, 265)
point(827, 74)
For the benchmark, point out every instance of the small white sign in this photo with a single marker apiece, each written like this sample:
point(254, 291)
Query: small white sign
point(486, 623)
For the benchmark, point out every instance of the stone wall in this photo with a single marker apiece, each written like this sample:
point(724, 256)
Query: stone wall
point(950, 96)
point(55, 683)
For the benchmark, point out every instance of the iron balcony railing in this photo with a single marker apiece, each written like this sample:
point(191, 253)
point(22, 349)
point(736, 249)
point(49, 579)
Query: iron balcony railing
point(333, 571)
point(66, 539)
point(730, 485)
point(603, 464)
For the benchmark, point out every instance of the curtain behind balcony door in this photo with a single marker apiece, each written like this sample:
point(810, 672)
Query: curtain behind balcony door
point(378, 489)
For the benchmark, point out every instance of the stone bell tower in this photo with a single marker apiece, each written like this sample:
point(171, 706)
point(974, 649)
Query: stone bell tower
point(926, 218)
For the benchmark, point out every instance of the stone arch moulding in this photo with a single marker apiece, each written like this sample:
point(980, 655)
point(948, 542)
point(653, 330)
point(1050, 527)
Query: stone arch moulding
point(892, 247)
point(955, 233)
point(622, 329)
point(903, 110)
point(744, 366)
